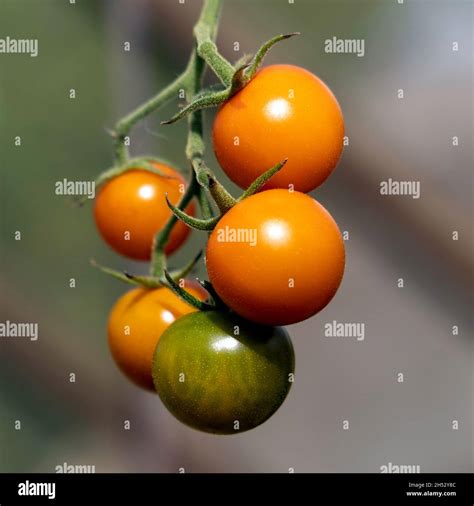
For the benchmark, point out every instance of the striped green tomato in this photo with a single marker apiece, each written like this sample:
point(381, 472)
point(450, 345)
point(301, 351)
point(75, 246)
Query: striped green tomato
point(221, 374)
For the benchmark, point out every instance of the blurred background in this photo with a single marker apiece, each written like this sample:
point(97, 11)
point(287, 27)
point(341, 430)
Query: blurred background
point(408, 330)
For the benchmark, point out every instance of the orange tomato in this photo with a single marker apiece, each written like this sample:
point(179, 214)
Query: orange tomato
point(136, 323)
point(284, 112)
point(276, 258)
point(131, 208)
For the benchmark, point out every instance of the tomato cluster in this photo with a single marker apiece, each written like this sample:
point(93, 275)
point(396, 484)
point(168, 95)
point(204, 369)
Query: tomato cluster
point(274, 257)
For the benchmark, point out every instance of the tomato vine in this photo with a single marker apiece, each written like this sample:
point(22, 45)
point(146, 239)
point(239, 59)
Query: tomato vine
point(291, 273)
point(202, 182)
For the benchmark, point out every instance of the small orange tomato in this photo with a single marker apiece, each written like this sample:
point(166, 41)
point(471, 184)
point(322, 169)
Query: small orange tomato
point(276, 258)
point(284, 112)
point(131, 208)
point(136, 323)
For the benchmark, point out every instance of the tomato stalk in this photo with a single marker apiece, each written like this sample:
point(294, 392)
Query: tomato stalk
point(206, 31)
point(186, 296)
point(202, 182)
point(191, 81)
point(261, 53)
point(208, 51)
point(197, 223)
point(149, 281)
point(242, 74)
point(223, 199)
point(221, 196)
point(205, 52)
point(125, 277)
point(213, 303)
point(205, 204)
point(158, 259)
point(124, 126)
point(261, 180)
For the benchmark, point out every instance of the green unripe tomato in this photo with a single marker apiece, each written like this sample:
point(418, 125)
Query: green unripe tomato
point(221, 374)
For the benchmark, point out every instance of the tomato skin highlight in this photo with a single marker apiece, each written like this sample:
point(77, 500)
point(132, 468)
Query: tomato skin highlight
point(284, 112)
point(288, 263)
point(209, 378)
point(136, 323)
point(134, 202)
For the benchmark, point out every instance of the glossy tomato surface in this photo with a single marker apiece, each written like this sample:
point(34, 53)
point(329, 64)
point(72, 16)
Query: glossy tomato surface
point(284, 112)
point(136, 323)
point(218, 373)
point(276, 258)
point(131, 208)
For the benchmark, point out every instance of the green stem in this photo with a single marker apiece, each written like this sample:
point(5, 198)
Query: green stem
point(205, 33)
point(205, 205)
point(186, 270)
point(207, 50)
point(221, 196)
point(195, 146)
point(186, 296)
point(123, 127)
point(234, 78)
point(258, 183)
point(144, 281)
point(263, 50)
point(196, 223)
point(190, 80)
point(205, 101)
point(158, 261)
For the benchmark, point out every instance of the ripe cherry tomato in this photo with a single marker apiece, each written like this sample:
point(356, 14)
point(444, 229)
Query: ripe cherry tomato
point(219, 373)
point(276, 258)
point(131, 208)
point(284, 112)
point(137, 322)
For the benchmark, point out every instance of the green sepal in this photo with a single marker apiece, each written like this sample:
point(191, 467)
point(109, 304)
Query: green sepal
point(239, 79)
point(160, 240)
point(243, 60)
point(202, 101)
point(184, 272)
point(263, 50)
point(186, 296)
point(144, 281)
point(261, 180)
point(219, 303)
point(215, 95)
point(221, 196)
point(196, 223)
